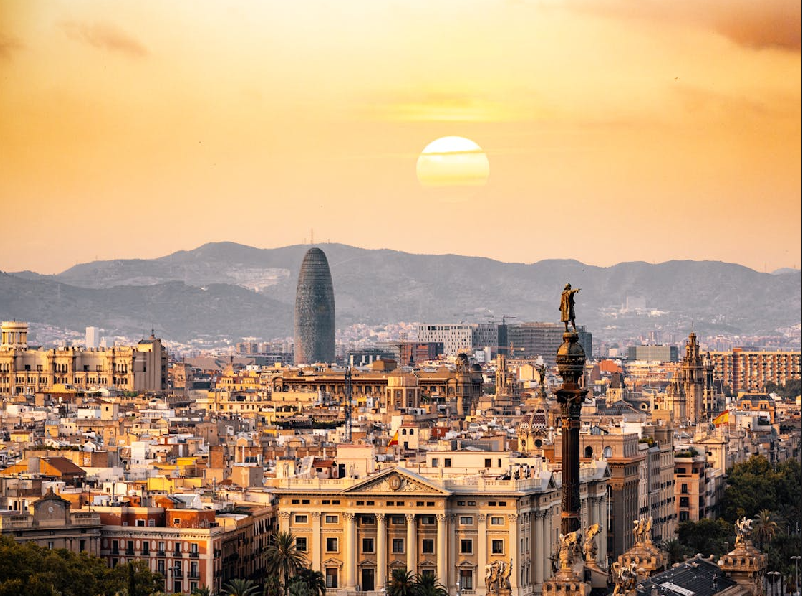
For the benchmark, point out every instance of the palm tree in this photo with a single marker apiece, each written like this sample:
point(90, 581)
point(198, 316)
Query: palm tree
point(283, 557)
point(402, 583)
point(240, 587)
point(427, 585)
point(271, 586)
point(204, 591)
point(765, 527)
point(676, 554)
point(314, 581)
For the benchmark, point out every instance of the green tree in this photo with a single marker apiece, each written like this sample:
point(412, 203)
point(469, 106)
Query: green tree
point(283, 557)
point(402, 583)
point(427, 585)
point(271, 586)
point(313, 581)
point(201, 591)
point(240, 587)
point(676, 552)
point(35, 571)
point(750, 489)
point(764, 527)
point(707, 536)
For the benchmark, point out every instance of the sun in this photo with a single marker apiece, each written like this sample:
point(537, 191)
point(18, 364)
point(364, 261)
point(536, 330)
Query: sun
point(453, 162)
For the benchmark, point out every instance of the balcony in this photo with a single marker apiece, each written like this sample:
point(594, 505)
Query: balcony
point(193, 575)
point(194, 554)
point(161, 553)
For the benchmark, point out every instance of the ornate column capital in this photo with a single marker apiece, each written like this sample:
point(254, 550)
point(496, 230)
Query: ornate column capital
point(349, 515)
point(442, 518)
point(410, 517)
point(316, 514)
point(284, 514)
point(380, 516)
point(481, 517)
point(512, 517)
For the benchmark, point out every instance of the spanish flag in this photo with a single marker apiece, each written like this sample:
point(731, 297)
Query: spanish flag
point(722, 418)
point(394, 440)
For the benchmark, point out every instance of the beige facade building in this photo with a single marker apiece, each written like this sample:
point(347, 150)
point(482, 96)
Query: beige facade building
point(750, 371)
point(357, 530)
point(25, 371)
point(50, 524)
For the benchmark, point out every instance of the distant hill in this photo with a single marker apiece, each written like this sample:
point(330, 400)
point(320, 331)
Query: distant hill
point(235, 290)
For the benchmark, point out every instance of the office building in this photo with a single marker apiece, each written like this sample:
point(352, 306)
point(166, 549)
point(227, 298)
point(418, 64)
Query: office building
point(314, 310)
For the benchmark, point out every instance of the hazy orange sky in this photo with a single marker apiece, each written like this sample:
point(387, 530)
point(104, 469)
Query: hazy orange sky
point(616, 130)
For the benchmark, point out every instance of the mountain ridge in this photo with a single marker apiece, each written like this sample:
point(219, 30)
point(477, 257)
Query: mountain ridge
point(235, 290)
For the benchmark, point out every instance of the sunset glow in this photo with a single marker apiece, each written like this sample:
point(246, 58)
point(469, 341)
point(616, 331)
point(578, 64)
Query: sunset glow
point(180, 123)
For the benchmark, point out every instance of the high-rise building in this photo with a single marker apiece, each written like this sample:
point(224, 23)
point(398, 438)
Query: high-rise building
point(742, 370)
point(653, 353)
point(314, 310)
point(530, 340)
point(92, 337)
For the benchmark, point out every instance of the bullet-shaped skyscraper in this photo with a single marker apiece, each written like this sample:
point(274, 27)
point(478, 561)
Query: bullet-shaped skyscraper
point(314, 310)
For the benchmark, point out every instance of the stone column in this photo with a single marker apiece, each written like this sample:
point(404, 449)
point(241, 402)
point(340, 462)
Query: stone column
point(549, 546)
point(442, 549)
point(350, 551)
point(603, 535)
point(412, 543)
point(481, 551)
point(317, 547)
point(539, 549)
point(571, 366)
point(515, 573)
point(381, 550)
point(452, 553)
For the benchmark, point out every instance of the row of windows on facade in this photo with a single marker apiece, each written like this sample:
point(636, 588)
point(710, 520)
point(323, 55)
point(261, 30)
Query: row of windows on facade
point(397, 545)
point(447, 461)
point(398, 520)
point(465, 578)
point(160, 548)
point(64, 368)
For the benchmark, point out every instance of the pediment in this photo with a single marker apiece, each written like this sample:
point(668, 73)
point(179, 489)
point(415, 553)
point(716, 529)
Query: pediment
point(332, 563)
point(394, 481)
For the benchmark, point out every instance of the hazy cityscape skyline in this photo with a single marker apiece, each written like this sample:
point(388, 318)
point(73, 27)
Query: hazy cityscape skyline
point(400, 298)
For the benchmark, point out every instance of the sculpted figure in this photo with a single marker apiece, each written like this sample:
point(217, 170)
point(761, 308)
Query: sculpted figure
point(743, 530)
point(567, 306)
point(492, 572)
point(568, 546)
point(625, 577)
point(505, 575)
point(647, 530)
point(589, 547)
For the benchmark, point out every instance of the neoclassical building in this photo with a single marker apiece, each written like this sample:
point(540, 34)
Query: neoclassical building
point(357, 530)
point(27, 371)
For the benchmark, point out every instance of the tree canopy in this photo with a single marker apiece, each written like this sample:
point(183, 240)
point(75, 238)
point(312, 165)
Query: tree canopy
point(26, 568)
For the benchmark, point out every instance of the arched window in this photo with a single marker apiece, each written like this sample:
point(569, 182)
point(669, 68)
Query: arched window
point(589, 452)
point(608, 452)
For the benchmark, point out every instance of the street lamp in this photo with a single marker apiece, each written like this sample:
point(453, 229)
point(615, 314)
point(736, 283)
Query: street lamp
point(795, 559)
point(772, 581)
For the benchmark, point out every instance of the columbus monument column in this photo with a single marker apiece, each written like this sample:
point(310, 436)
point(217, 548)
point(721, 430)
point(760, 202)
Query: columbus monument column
point(571, 367)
